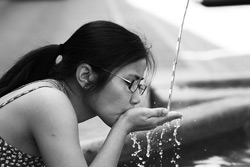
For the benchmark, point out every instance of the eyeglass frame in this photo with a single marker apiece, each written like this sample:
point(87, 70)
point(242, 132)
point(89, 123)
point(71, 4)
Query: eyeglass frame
point(139, 86)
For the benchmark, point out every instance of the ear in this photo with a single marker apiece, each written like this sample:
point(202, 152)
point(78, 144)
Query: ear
point(85, 75)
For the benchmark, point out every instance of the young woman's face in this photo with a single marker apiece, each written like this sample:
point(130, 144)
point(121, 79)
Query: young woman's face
point(116, 98)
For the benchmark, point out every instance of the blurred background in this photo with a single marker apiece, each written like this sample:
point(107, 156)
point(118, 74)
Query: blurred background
point(214, 55)
point(215, 39)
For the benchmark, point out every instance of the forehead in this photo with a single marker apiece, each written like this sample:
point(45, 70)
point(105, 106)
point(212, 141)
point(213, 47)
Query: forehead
point(137, 68)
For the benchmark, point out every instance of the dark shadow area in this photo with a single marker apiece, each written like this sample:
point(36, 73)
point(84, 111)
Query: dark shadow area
point(214, 3)
point(34, 0)
point(219, 83)
point(156, 101)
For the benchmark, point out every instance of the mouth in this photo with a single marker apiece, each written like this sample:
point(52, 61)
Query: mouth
point(125, 110)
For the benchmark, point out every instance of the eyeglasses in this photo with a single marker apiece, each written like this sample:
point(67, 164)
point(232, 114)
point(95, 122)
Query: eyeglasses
point(131, 85)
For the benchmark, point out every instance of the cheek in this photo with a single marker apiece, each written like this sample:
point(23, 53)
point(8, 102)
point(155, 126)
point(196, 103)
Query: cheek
point(112, 102)
point(114, 96)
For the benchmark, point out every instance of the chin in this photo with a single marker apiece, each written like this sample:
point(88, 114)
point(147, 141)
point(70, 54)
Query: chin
point(109, 122)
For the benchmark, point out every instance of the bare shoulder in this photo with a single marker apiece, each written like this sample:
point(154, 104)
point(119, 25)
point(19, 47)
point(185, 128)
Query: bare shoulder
point(50, 113)
point(53, 124)
point(43, 102)
point(47, 98)
point(48, 103)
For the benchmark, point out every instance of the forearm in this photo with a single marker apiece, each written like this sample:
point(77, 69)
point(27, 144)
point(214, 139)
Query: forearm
point(110, 152)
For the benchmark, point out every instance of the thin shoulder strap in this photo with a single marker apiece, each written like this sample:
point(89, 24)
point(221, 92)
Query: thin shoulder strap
point(21, 94)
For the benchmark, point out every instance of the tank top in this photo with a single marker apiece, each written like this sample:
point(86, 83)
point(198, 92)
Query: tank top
point(11, 156)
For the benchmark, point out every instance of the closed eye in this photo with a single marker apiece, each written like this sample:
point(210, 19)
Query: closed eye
point(127, 82)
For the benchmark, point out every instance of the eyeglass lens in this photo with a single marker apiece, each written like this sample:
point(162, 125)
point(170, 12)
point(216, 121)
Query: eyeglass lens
point(136, 84)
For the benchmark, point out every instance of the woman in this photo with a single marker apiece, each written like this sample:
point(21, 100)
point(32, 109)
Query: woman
point(96, 72)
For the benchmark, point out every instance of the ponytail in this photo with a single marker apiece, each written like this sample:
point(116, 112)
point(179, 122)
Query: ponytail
point(33, 66)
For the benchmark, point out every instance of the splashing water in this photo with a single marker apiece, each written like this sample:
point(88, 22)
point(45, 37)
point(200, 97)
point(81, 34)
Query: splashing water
point(139, 149)
point(135, 142)
point(148, 136)
point(176, 126)
point(165, 126)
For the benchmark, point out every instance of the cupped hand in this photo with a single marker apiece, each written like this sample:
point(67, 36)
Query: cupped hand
point(138, 119)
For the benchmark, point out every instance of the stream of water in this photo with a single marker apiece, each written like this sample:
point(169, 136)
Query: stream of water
point(166, 126)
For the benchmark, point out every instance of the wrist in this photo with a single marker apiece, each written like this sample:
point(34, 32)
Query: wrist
point(122, 125)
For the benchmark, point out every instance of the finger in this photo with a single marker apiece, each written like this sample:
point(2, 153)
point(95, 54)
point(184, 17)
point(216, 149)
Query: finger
point(172, 115)
point(157, 112)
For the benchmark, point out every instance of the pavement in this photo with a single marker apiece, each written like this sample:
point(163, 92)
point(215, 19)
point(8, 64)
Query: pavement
point(27, 24)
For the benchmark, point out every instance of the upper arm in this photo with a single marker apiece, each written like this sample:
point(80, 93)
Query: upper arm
point(54, 126)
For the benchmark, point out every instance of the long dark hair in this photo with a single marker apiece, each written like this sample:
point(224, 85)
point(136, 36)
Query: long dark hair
point(101, 44)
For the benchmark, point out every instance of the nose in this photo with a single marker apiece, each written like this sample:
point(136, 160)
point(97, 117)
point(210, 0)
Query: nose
point(135, 98)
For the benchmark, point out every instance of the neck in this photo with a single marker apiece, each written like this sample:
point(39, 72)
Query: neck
point(78, 100)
